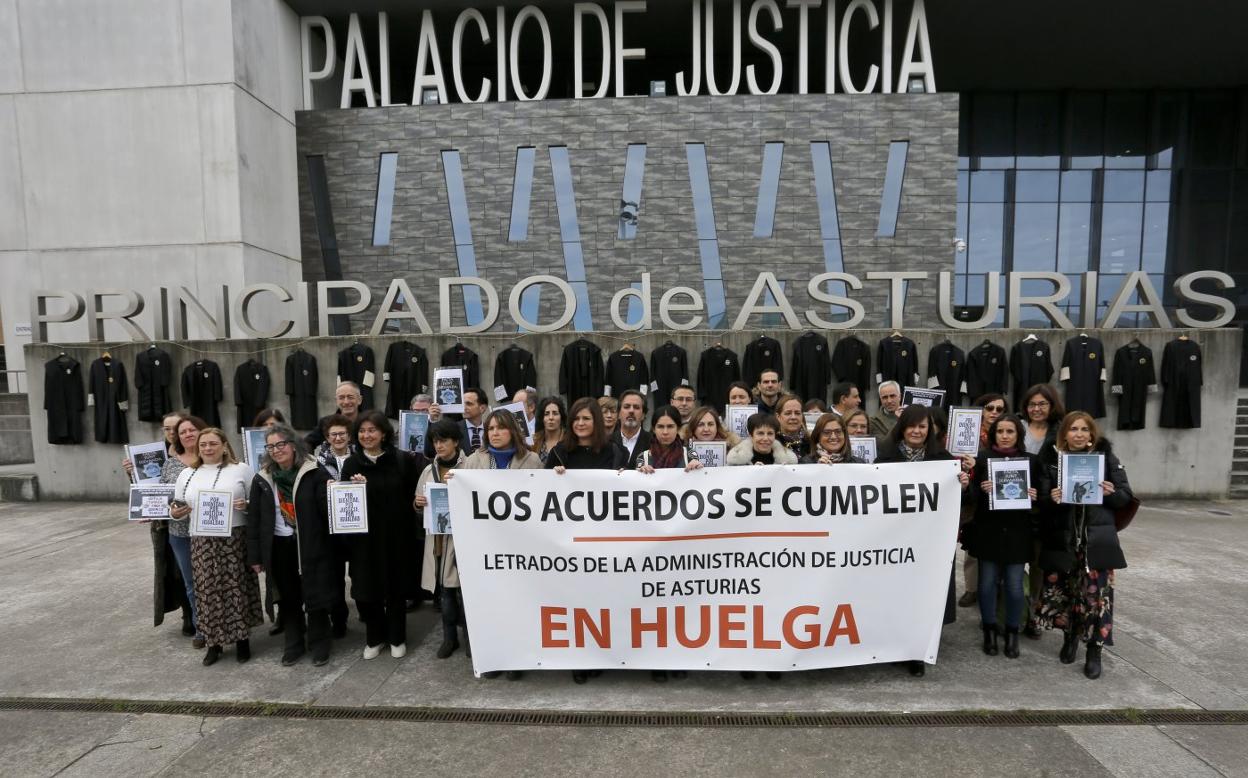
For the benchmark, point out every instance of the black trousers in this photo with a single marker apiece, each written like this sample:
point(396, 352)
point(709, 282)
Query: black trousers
point(385, 621)
point(315, 629)
point(338, 613)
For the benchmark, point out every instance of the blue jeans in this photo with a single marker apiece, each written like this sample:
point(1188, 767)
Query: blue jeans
point(1013, 578)
point(182, 552)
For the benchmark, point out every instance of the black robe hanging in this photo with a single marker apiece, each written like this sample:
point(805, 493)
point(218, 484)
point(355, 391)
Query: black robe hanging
point(851, 361)
point(1134, 375)
point(626, 369)
point(357, 363)
point(1031, 363)
point(301, 381)
point(946, 369)
point(762, 353)
point(406, 371)
point(109, 393)
point(986, 371)
point(581, 371)
point(1182, 375)
point(669, 368)
point(251, 391)
point(812, 367)
point(513, 370)
point(718, 367)
point(64, 399)
point(1083, 371)
point(153, 375)
point(898, 360)
point(464, 358)
point(202, 390)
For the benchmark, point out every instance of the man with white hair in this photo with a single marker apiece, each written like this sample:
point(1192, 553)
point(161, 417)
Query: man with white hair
point(882, 421)
point(347, 397)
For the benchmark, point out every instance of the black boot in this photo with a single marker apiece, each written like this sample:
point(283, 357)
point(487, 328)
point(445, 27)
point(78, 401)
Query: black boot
point(242, 651)
point(463, 621)
point(1092, 666)
point(1070, 647)
point(466, 643)
point(990, 639)
point(917, 668)
point(188, 625)
point(450, 621)
point(658, 676)
point(212, 655)
point(1011, 642)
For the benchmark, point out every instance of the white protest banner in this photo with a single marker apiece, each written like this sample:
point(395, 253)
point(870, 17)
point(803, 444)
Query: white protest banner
point(732, 568)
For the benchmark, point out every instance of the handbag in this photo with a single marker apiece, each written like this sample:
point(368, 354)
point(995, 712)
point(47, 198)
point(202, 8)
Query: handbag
point(1126, 514)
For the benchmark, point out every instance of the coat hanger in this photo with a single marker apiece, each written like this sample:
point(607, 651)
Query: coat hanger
point(1183, 337)
point(151, 346)
point(896, 334)
point(1083, 335)
point(106, 356)
point(1135, 341)
point(1031, 337)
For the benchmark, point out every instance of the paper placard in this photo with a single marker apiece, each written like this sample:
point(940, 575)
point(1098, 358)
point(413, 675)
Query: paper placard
point(1080, 476)
point(518, 410)
point(147, 459)
point(149, 502)
point(253, 446)
point(812, 418)
point(448, 389)
point(500, 393)
point(438, 511)
point(212, 512)
point(964, 426)
point(711, 453)
point(864, 449)
point(914, 395)
point(369, 378)
point(737, 417)
point(1009, 480)
point(348, 508)
point(413, 427)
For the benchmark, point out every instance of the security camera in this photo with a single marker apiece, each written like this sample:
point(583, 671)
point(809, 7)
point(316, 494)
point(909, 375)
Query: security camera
point(959, 245)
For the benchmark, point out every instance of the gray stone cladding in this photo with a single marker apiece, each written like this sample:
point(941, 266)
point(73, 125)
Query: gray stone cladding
point(734, 130)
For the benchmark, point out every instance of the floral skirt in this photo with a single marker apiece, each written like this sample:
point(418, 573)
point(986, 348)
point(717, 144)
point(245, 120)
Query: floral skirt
point(1079, 599)
point(227, 592)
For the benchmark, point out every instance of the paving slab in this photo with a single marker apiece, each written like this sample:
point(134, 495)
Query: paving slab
point(44, 743)
point(1139, 752)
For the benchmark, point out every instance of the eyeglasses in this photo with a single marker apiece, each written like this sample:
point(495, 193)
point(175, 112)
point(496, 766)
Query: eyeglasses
point(994, 408)
point(1038, 405)
point(275, 446)
point(337, 434)
point(832, 433)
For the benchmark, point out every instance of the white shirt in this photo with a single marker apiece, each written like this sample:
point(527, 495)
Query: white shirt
point(629, 443)
point(235, 478)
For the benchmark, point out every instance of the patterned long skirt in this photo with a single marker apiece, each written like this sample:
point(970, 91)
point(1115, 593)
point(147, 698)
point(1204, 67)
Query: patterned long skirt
point(1079, 599)
point(227, 592)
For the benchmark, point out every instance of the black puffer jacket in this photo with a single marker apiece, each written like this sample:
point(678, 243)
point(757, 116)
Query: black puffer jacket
point(316, 549)
point(1065, 528)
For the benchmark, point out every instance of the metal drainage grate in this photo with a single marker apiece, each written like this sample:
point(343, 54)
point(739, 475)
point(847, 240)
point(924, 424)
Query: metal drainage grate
point(1022, 718)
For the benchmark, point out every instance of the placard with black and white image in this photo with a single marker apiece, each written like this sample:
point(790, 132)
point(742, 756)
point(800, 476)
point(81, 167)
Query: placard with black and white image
point(150, 502)
point(737, 418)
point(147, 460)
point(448, 389)
point(1080, 476)
point(1009, 480)
point(964, 426)
point(253, 445)
point(438, 510)
point(711, 453)
point(413, 427)
point(864, 449)
point(915, 395)
point(348, 508)
point(527, 424)
point(212, 513)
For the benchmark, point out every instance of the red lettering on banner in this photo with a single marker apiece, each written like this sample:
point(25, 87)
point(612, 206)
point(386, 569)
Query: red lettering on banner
point(658, 626)
point(704, 627)
point(727, 626)
point(759, 640)
point(812, 630)
point(601, 631)
point(549, 626)
point(843, 624)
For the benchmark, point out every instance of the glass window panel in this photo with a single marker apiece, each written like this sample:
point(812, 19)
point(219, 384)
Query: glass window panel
point(565, 195)
point(461, 225)
point(1035, 236)
point(521, 193)
point(964, 131)
point(1076, 186)
point(700, 184)
point(1121, 230)
point(987, 236)
point(630, 198)
point(1158, 187)
point(959, 257)
point(964, 186)
point(987, 186)
point(1030, 315)
point(1039, 130)
point(1085, 111)
point(1166, 112)
point(1156, 235)
point(1124, 186)
point(890, 200)
point(1126, 129)
point(1108, 286)
point(768, 188)
point(992, 130)
point(1073, 236)
point(383, 208)
point(825, 192)
point(1033, 186)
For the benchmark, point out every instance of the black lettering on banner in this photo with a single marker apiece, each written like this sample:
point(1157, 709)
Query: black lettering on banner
point(523, 511)
point(784, 501)
point(870, 496)
point(476, 507)
point(568, 510)
point(844, 500)
point(715, 499)
point(929, 494)
point(641, 506)
point(598, 509)
point(551, 511)
point(619, 506)
point(762, 502)
point(743, 501)
point(699, 504)
point(665, 505)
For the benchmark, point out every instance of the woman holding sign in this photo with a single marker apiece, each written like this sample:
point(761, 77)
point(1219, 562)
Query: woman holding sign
point(439, 574)
point(383, 559)
point(916, 437)
point(1079, 547)
point(1000, 535)
point(705, 426)
point(184, 451)
point(213, 492)
point(288, 536)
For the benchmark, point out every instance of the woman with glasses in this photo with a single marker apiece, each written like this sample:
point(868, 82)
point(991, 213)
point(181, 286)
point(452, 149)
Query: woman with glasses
point(333, 453)
point(610, 413)
point(993, 407)
point(830, 442)
point(1044, 412)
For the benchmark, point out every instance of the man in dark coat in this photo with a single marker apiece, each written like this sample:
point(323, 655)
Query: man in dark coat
point(406, 370)
point(812, 367)
point(153, 375)
point(1134, 379)
point(581, 372)
point(1031, 363)
point(202, 390)
point(251, 391)
point(514, 370)
point(1182, 375)
point(761, 354)
point(628, 432)
point(717, 368)
point(357, 364)
point(626, 369)
point(669, 368)
point(1083, 371)
point(110, 395)
point(301, 380)
point(64, 399)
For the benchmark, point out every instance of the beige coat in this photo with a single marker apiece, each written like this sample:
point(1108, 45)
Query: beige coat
point(442, 547)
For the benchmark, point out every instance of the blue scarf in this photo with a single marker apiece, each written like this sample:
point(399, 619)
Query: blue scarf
point(502, 457)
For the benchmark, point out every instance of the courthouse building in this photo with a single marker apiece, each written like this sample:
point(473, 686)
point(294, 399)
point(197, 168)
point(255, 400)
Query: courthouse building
point(681, 166)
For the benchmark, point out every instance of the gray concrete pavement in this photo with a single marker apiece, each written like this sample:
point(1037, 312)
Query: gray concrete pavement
point(75, 608)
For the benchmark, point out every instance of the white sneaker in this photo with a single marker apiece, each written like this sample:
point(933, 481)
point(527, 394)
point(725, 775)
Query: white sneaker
point(372, 652)
point(399, 651)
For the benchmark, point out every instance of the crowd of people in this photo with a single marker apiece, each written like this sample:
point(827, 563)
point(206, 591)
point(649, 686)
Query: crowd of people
point(1050, 566)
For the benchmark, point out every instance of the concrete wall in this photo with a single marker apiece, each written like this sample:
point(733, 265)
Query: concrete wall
point(597, 133)
point(145, 143)
point(1173, 463)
